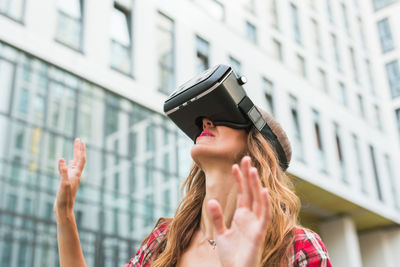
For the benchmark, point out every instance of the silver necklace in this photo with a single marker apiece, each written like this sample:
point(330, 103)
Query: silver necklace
point(210, 241)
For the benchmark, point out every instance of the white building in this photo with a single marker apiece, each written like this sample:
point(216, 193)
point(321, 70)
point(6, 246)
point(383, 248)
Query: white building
point(101, 70)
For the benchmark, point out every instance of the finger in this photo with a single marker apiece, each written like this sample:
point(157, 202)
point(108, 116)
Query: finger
point(62, 168)
point(82, 158)
point(70, 163)
point(76, 149)
point(266, 208)
point(215, 211)
point(242, 198)
point(245, 170)
point(257, 190)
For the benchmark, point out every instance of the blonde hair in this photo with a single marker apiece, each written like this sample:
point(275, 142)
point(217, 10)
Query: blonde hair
point(285, 206)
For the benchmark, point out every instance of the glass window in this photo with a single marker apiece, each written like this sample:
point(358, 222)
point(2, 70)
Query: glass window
point(393, 185)
point(385, 35)
point(370, 77)
point(298, 140)
point(70, 23)
point(27, 223)
point(398, 119)
point(301, 65)
point(10, 205)
point(268, 89)
point(378, 120)
point(236, 66)
point(274, 14)
point(361, 31)
point(393, 75)
point(323, 82)
point(167, 201)
point(150, 138)
point(320, 156)
point(62, 103)
point(295, 23)
point(346, 23)
point(336, 54)
point(329, 11)
point(277, 50)
point(342, 94)
point(251, 32)
point(166, 53)
point(7, 250)
point(13, 9)
point(376, 172)
point(340, 156)
point(121, 44)
point(29, 97)
point(317, 38)
point(378, 4)
point(202, 54)
point(361, 108)
point(149, 210)
point(6, 80)
point(354, 64)
point(360, 168)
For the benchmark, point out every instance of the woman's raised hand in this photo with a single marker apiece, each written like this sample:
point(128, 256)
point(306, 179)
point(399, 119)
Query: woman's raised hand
point(70, 179)
point(241, 244)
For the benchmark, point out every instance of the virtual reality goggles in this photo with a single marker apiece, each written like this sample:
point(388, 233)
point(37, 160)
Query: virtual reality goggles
point(217, 94)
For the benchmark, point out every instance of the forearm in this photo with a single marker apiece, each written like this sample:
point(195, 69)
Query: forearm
point(69, 246)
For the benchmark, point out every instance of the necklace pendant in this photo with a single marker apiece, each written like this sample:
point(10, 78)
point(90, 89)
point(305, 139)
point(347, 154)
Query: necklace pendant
point(212, 243)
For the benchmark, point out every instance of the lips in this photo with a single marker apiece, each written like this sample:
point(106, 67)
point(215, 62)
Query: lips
point(206, 133)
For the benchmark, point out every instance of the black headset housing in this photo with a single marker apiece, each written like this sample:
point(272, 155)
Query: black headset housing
point(217, 94)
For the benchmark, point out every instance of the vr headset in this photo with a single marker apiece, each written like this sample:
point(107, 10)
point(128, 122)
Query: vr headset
point(217, 94)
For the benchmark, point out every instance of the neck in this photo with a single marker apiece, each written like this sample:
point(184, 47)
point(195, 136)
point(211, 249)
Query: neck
point(220, 185)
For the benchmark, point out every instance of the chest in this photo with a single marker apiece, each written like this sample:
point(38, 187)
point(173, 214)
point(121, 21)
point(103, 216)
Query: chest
point(204, 256)
point(198, 259)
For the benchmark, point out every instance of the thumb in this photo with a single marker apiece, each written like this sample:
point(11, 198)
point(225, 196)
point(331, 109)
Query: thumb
point(215, 212)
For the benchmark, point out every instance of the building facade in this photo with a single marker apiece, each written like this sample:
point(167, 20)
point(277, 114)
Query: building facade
point(101, 70)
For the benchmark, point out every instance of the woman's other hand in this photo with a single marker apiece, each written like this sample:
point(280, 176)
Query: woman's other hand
point(242, 243)
point(70, 180)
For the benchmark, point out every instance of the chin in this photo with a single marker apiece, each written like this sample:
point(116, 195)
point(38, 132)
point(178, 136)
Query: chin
point(203, 154)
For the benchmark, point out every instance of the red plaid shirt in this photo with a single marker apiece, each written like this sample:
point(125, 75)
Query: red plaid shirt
point(307, 250)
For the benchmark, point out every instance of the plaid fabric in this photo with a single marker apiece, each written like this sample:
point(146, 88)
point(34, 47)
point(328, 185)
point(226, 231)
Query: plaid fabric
point(307, 250)
point(145, 252)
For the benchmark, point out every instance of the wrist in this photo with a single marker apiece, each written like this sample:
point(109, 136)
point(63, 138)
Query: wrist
point(66, 217)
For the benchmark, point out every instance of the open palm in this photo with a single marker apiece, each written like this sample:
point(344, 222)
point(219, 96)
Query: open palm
point(241, 244)
point(70, 180)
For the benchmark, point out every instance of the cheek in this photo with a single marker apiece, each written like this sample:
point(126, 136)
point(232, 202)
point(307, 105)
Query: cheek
point(235, 145)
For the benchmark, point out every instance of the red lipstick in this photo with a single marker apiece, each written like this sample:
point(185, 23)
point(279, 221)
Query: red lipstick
point(206, 133)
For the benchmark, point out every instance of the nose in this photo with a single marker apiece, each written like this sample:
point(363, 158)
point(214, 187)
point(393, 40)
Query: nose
point(207, 124)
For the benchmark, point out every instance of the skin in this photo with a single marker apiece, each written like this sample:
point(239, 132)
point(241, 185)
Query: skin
point(69, 246)
point(236, 210)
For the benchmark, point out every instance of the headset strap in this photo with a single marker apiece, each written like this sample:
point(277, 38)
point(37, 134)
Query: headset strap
point(248, 108)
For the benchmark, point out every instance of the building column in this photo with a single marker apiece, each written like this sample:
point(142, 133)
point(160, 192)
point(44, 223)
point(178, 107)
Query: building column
point(380, 248)
point(341, 240)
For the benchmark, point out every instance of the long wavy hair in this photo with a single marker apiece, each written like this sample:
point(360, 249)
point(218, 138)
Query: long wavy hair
point(285, 205)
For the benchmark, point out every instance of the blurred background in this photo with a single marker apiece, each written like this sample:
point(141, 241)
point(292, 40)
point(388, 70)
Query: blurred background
point(328, 70)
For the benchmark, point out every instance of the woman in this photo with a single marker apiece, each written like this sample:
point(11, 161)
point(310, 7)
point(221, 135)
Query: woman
point(239, 208)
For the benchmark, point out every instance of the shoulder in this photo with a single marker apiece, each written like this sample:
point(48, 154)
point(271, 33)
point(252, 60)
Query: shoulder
point(308, 249)
point(145, 252)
